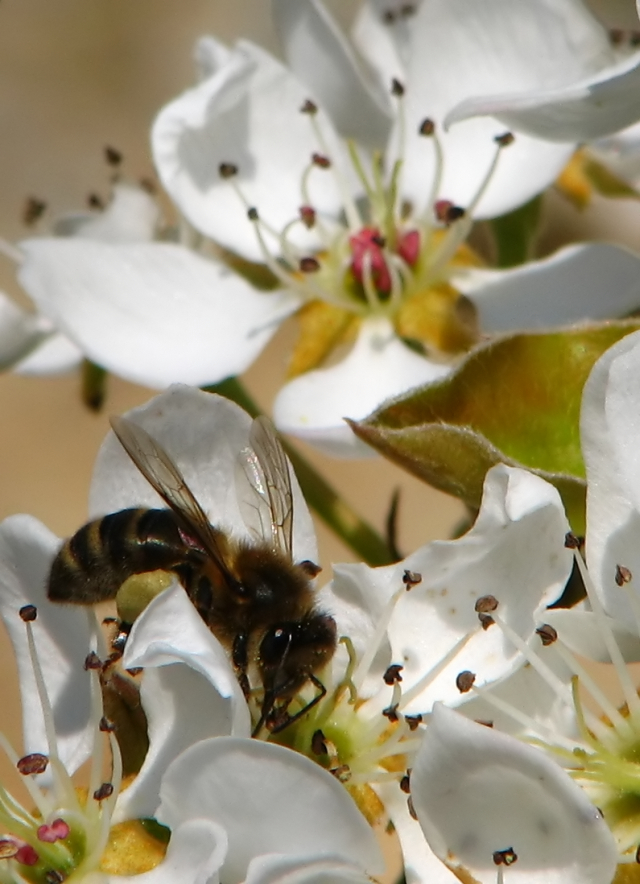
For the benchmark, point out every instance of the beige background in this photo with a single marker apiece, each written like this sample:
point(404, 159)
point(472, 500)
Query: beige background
point(76, 75)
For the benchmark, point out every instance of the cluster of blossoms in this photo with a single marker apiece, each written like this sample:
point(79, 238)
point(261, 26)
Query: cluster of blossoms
point(453, 709)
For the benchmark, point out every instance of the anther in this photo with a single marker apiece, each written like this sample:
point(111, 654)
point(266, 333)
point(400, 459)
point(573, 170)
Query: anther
point(485, 604)
point(320, 160)
point(486, 620)
point(412, 810)
point(252, 214)
point(548, 635)
point(106, 726)
point(27, 855)
point(308, 216)
point(392, 675)
point(388, 16)
point(413, 721)
point(623, 575)
point(427, 127)
point(484, 722)
point(616, 35)
point(32, 764)
point(318, 744)
point(505, 857)
point(391, 712)
point(397, 88)
point(92, 661)
point(105, 791)
point(465, 681)
point(28, 613)
point(112, 156)
point(411, 579)
point(309, 265)
point(33, 210)
point(309, 107)
point(53, 876)
point(227, 170)
point(95, 201)
point(8, 849)
point(405, 784)
point(341, 773)
point(446, 212)
point(573, 541)
point(638, 854)
point(505, 139)
point(58, 830)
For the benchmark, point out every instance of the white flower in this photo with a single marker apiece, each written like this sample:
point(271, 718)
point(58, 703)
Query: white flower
point(156, 312)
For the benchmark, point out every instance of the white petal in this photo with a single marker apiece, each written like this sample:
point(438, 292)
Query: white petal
point(269, 799)
point(477, 791)
point(204, 434)
point(583, 633)
point(62, 637)
point(496, 558)
point(304, 870)
point(131, 216)
point(56, 355)
point(189, 692)
point(210, 55)
point(247, 114)
point(314, 405)
point(319, 55)
point(195, 855)
point(566, 287)
point(152, 313)
point(591, 108)
point(609, 427)
point(21, 333)
point(385, 45)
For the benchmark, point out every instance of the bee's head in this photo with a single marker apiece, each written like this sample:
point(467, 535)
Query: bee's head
point(292, 652)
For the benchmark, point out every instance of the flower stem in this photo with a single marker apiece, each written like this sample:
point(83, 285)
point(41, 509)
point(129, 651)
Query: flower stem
point(320, 496)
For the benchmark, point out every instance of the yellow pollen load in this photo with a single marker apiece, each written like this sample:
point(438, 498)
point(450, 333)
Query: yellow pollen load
point(627, 874)
point(439, 317)
point(322, 327)
point(369, 805)
point(573, 182)
point(131, 850)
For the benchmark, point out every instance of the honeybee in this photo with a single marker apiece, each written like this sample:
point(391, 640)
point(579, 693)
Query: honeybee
point(257, 602)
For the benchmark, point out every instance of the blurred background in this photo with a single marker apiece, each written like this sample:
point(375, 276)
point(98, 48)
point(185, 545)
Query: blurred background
point(76, 76)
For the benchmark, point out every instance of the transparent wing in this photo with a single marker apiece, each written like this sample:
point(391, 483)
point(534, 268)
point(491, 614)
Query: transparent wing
point(162, 474)
point(264, 489)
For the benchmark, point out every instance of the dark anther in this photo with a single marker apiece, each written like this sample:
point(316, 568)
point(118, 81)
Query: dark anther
point(413, 721)
point(95, 201)
point(310, 568)
point(411, 579)
point(616, 35)
point(505, 140)
point(391, 712)
point(505, 857)
point(106, 726)
point(638, 854)
point(412, 810)
point(392, 675)
point(227, 170)
point(32, 764)
point(427, 127)
point(341, 773)
point(378, 240)
point(405, 784)
point(28, 613)
point(252, 214)
point(309, 265)
point(388, 16)
point(446, 212)
point(318, 745)
point(33, 210)
point(485, 604)
point(309, 107)
point(8, 848)
point(53, 876)
point(108, 621)
point(484, 722)
point(135, 670)
point(308, 216)
point(573, 541)
point(397, 88)
point(320, 160)
point(105, 791)
point(623, 575)
point(547, 634)
point(112, 156)
point(486, 620)
point(92, 661)
point(465, 680)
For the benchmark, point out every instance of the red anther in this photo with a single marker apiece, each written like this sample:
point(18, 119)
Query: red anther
point(367, 243)
point(57, 831)
point(32, 764)
point(28, 613)
point(320, 160)
point(409, 247)
point(309, 265)
point(308, 216)
point(309, 107)
point(447, 212)
point(26, 855)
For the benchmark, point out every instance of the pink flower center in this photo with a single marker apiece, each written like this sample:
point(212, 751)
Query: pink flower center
point(368, 248)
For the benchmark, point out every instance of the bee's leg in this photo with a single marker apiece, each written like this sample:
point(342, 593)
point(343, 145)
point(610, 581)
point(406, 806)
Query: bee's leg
point(240, 660)
point(279, 719)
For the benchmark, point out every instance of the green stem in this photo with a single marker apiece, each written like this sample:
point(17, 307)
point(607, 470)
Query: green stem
point(319, 495)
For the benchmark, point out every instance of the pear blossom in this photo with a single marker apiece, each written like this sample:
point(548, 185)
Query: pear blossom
point(284, 166)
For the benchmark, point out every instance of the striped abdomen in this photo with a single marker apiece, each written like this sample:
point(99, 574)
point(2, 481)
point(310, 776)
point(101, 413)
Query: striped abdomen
point(92, 565)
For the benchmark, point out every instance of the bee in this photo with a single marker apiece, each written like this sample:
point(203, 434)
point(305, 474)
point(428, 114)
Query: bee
point(253, 597)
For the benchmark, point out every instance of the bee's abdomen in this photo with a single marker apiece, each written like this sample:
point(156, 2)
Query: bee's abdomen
point(92, 565)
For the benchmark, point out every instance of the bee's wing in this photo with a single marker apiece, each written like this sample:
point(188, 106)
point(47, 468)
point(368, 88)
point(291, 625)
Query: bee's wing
point(162, 474)
point(264, 489)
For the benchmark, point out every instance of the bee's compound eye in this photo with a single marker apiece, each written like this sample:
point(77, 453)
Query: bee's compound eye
point(275, 645)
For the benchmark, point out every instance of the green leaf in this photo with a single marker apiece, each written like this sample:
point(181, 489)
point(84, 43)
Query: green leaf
point(605, 182)
point(514, 401)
